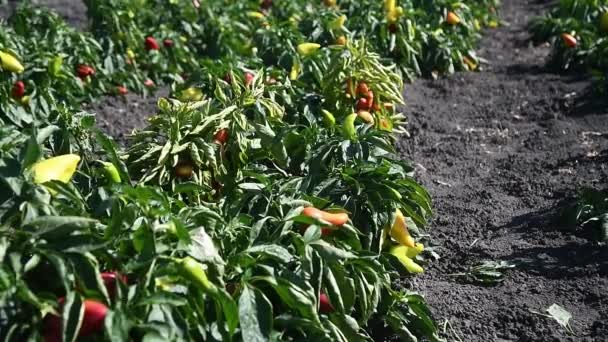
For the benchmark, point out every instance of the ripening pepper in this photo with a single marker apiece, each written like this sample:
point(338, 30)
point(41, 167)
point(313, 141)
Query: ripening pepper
point(18, 89)
point(341, 40)
point(336, 219)
point(60, 168)
point(110, 281)
point(149, 83)
point(220, 137)
point(324, 304)
point(83, 71)
point(470, 63)
point(92, 321)
point(122, 90)
point(452, 18)
point(195, 272)
point(307, 49)
point(248, 79)
point(401, 253)
point(151, 44)
point(569, 40)
point(366, 116)
point(184, 170)
point(348, 127)
point(399, 231)
point(10, 63)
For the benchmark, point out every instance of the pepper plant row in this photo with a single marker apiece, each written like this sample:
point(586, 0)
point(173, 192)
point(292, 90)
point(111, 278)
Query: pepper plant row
point(578, 30)
point(264, 200)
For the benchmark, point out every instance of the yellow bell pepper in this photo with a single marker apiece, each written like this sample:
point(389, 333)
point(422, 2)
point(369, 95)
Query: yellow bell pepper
point(60, 168)
point(410, 265)
point(10, 63)
point(306, 49)
point(399, 231)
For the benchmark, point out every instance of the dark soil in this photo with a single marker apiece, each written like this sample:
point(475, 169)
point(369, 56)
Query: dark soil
point(501, 151)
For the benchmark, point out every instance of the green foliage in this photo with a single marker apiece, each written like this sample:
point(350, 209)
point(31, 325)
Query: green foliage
point(199, 220)
point(590, 212)
point(587, 22)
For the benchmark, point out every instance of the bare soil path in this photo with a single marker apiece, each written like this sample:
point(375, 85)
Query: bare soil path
point(500, 150)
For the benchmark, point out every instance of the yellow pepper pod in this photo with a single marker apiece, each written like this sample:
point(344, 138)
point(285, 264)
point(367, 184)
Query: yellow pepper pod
point(255, 15)
point(295, 71)
point(452, 18)
point(130, 54)
point(470, 63)
point(394, 15)
point(10, 63)
point(306, 49)
point(338, 23)
point(25, 101)
point(413, 252)
point(389, 5)
point(399, 231)
point(191, 94)
point(410, 265)
point(476, 25)
point(60, 168)
point(366, 116)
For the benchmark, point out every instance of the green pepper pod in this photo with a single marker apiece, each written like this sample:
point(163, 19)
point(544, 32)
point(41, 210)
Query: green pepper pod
point(348, 127)
point(111, 172)
point(194, 271)
point(55, 66)
point(328, 118)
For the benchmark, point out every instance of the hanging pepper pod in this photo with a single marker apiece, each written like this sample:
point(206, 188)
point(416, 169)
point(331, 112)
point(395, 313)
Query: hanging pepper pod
point(400, 252)
point(60, 168)
point(348, 127)
point(10, 63)
point(399, 231)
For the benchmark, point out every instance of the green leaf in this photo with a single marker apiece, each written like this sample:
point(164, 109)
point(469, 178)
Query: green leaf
point(163, 298)
point(117, 325)
point(73, 312)
point(255, 314)
point(330, 252)
point(271, 250)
